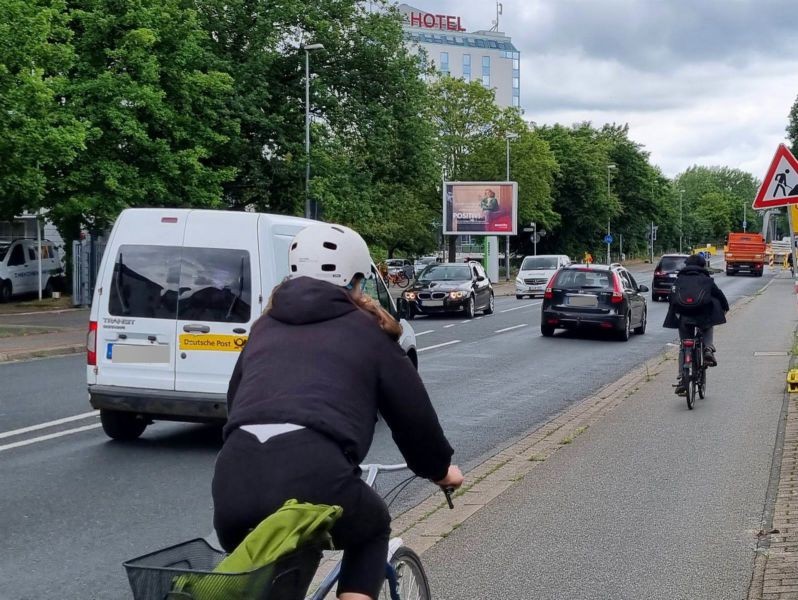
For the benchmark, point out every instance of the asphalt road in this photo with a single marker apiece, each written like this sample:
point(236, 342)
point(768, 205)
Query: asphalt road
point(74, 505)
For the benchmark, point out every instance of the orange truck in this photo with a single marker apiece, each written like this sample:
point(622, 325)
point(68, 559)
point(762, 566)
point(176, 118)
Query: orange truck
point(746, 252)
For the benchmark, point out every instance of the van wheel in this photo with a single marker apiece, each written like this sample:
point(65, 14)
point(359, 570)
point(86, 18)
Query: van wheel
point(5, 292)
point(120, 425)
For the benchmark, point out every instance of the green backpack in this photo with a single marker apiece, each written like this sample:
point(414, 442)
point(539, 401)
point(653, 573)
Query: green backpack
point(293, 526)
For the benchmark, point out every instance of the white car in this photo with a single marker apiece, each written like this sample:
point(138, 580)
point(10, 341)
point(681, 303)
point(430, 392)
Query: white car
point(422, 263)
point(535, 273)
point(19, 268)
point(177, 293)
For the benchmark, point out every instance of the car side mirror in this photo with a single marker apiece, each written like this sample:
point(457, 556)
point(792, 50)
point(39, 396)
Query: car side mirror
point(402, 308)
point(480, 278)
point(642, 288)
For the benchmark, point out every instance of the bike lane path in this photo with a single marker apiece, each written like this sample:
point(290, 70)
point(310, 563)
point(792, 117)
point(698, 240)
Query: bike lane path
point(653, 500)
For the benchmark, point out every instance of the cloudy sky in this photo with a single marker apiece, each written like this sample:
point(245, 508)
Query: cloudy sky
point(699, 81)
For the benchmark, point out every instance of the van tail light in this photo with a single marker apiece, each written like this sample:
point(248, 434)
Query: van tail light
point(91, 345)
point(617, 290)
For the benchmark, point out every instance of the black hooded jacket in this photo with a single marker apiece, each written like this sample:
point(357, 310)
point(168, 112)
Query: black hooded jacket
point(715, 314)
point(317, 360)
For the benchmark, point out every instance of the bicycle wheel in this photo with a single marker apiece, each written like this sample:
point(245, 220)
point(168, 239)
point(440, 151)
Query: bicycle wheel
point(411, 580)
point(402, 281)
point(689, 385)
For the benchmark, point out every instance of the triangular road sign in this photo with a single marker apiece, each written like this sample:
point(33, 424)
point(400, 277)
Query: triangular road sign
point(780, 185)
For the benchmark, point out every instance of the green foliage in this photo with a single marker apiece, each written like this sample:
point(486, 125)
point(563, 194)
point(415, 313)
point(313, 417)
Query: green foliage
point(145, 85)
point(712, 203)
point(36, 133)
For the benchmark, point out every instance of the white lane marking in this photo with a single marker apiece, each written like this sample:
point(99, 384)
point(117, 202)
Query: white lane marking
point(49, 436)
point(5, 434)
point(478, 318)
point(520, 307)
point(511, 328)
point(447, 326)
point(425, 332)
point(439, 345)
point(464, 322)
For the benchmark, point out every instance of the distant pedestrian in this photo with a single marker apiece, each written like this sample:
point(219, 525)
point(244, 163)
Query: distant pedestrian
point(588, 258)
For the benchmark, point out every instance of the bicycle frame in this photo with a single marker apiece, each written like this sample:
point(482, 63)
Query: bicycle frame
point(331, 579)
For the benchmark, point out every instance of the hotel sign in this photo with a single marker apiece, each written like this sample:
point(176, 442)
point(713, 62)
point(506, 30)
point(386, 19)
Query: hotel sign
point(430, 21)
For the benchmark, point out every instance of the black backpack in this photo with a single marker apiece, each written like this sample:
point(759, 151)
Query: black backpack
point(692, 294)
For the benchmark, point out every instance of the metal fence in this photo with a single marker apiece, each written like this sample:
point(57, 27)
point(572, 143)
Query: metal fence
point(86, 256)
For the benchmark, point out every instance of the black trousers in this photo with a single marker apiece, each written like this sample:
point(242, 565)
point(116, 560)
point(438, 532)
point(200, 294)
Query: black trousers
point(252, 480)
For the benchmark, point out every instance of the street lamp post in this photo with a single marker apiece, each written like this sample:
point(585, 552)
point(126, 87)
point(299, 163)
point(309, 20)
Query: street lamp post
point(308, 48)
point(745, 221)
point(610, 167)
point(507, 138)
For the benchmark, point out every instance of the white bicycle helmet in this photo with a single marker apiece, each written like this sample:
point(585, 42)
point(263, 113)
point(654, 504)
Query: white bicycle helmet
point(331, 253)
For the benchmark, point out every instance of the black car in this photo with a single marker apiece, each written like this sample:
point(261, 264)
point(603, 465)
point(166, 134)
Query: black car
point(449, 288)
point(596, 296)
point(665, 275)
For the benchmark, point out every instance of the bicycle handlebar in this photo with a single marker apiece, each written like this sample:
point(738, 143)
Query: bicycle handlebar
point(372, 470)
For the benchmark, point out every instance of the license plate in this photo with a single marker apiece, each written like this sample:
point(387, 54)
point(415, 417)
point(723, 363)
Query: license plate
point(581, 301)
point(672, 275)
point(432, 303)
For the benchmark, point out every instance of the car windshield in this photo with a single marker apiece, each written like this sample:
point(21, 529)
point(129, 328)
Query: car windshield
point(672, 263)
point(446, 273)
point(575, 279)
point(4, 250)
point(394, 262)
point(539, 263)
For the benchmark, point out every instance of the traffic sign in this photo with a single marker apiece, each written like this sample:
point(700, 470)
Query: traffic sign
point(608, 239)
point(780, 185)
point(535, 237)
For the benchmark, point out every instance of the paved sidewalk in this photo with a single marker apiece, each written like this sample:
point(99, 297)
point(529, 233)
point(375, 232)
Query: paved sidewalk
point(66, 334)
point(629, 494)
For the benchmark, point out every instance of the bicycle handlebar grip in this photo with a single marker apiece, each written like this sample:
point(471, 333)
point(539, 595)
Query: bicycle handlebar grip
point(448, 491)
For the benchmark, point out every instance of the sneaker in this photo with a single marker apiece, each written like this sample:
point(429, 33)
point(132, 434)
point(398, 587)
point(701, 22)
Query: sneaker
point(680, 390)
point(709, 357)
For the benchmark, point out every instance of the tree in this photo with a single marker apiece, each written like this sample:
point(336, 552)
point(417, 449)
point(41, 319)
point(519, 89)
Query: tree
point(713, 200)
point(372, 149)
point(37, 134)
point(145, 84)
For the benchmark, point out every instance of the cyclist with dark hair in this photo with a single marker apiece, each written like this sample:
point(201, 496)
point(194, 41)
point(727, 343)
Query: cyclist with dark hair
point(303, 400)
point(696, 300)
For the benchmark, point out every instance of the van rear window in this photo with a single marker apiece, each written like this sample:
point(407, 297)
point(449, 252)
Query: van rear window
point(170, 282)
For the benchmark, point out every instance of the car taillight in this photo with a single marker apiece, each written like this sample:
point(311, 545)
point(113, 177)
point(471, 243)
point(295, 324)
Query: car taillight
point(658, 273)
point(91, 344)
point(617, 291)
point(548, 294)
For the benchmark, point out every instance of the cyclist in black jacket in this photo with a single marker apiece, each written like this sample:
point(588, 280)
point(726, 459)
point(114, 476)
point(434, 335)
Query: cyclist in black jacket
point(303, 401)
point(711, 314)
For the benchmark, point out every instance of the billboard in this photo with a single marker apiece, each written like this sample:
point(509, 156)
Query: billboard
point(480, 207)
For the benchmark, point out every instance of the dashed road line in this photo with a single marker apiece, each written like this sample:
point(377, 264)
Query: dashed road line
point(520, 307)
point(511, 328)
point(447, 326)
point(80, 417)
point(425, 332)
point(428, 348)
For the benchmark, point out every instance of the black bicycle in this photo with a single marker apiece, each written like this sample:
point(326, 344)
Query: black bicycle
point(694, 369)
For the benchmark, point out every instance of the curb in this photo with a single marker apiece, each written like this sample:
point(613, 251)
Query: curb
point(41, 353)
point(40, 312)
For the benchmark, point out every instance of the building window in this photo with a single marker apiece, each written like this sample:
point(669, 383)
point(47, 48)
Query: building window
point(516, 83)
point(516, 64)
point(516, 101)
point(467, 67)
point(444, 62)
point(486, 65)
point(486, 81)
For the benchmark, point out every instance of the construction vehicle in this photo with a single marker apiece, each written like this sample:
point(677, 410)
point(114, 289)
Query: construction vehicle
point(746, 252)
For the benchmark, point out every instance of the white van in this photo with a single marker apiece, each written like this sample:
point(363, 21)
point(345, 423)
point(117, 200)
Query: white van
point(535, 273)
point(19, 267)
point(177, 293)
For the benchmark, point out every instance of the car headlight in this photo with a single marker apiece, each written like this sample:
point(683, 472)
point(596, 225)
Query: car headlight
point(410, 296)
point(457, 295)
point(519, 281)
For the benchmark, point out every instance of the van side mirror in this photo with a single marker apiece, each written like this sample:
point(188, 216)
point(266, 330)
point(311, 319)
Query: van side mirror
point(402, 308)
point(642, 288)
point(480, 278)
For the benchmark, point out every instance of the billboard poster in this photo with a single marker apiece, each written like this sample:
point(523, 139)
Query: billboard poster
point(480, 207)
